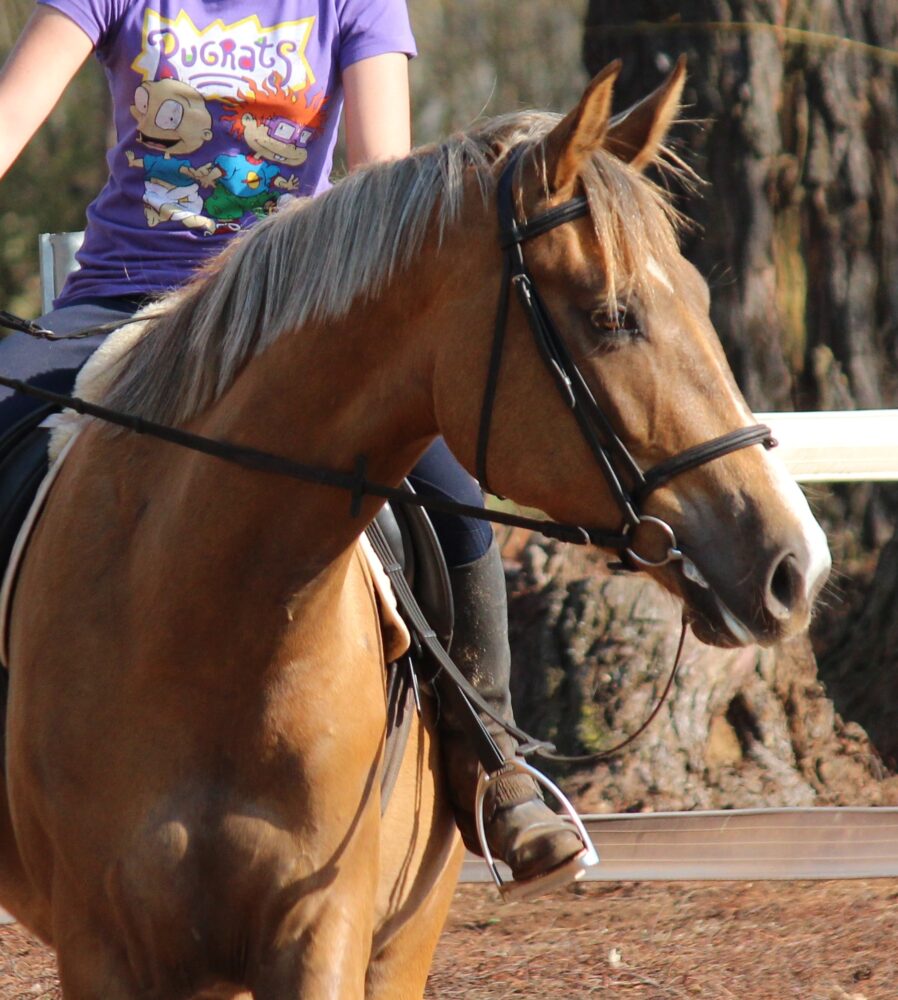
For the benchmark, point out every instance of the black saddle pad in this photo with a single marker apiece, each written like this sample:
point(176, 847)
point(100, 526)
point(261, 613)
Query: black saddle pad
point(23, 464)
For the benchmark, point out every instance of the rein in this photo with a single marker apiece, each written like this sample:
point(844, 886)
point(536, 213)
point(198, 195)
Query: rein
point(614, 459)
point(355, 483)
point(13, 322)
point(359, 486)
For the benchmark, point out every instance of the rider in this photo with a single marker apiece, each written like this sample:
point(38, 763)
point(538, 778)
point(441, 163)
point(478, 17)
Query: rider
point(224, 110)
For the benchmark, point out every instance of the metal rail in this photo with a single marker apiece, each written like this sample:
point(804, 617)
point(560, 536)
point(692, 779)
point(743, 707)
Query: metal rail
point(748, 845)
point(738, 845)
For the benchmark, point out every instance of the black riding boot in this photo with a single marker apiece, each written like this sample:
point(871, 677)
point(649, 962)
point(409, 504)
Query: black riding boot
point(521, 829)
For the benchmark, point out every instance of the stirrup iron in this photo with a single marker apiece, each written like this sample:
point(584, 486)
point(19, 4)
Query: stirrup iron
point(568, 871)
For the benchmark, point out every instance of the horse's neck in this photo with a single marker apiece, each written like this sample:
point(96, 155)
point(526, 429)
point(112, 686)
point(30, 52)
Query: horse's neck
point(271, 556)
point(325, 395)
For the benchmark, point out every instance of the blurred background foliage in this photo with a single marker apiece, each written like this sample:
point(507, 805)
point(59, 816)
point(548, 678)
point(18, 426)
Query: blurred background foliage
point(50, 185)
point(477, 57)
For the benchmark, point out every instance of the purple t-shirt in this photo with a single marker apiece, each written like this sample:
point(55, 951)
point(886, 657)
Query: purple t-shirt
point(224, 110)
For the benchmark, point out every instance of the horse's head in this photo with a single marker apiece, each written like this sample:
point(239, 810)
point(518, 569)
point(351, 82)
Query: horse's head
point(593, 240)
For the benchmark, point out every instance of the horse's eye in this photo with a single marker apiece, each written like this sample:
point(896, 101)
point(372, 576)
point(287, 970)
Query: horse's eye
point(614, 322)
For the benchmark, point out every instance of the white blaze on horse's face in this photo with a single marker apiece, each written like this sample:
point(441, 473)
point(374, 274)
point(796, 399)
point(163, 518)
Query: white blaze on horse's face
point(797, 576)
point(755, 556)
point(656, 271)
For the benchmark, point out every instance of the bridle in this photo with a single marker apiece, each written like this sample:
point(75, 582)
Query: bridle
point(628, 484)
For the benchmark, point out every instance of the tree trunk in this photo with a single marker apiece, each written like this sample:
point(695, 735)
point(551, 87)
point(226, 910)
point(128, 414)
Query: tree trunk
point(799, 144)
point(741, 728)
point(797, 137)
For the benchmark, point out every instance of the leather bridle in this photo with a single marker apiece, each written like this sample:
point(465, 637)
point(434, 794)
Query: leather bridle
point(628, 484)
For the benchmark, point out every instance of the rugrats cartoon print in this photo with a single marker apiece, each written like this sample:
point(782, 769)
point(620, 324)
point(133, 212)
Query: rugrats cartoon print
point(277, 124)
point(172, 120)
point(256, 133)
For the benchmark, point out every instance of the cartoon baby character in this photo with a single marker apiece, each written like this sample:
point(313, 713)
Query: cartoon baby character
point(172, 120)
point(276, 124)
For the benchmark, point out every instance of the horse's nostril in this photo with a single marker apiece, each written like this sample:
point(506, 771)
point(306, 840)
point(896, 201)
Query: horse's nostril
point(786, 587)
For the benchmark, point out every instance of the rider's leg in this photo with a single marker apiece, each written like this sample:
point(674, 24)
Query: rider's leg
point(53, 364)
point(520, 827)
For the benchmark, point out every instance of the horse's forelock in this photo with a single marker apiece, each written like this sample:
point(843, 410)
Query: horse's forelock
point(634, 220)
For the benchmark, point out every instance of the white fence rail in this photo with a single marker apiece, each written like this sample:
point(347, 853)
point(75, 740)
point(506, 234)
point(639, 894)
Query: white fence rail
point(738, 844)
point(837, 446)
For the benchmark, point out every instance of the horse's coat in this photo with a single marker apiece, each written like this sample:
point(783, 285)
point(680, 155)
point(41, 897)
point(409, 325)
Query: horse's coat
point(196, 705)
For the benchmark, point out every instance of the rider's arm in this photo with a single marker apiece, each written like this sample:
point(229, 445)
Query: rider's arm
point(47, 55)
point(377, 109)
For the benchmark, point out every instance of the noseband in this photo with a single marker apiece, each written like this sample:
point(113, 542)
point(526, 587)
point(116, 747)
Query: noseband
point(629, 485)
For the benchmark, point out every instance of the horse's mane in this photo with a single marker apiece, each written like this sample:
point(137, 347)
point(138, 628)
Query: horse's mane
point(314, 260)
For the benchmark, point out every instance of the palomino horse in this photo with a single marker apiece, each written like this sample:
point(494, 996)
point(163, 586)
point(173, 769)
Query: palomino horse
point(196, 710)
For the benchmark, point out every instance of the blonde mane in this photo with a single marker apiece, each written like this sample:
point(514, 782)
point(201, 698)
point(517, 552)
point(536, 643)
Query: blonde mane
point(318, 258)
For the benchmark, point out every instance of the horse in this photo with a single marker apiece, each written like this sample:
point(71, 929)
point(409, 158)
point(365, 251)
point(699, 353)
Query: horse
point(196, 707)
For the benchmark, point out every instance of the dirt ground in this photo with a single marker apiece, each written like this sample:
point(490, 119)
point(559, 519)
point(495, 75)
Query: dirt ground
point(657, 941)
point(624, 941)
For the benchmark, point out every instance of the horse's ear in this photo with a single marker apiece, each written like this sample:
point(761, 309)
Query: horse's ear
point(636, 135)
point(581, 132)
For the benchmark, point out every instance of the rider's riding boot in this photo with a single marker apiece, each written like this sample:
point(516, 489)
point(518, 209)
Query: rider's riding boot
point(521, 829)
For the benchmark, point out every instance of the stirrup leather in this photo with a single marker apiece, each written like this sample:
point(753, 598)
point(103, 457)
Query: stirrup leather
point(569, 871)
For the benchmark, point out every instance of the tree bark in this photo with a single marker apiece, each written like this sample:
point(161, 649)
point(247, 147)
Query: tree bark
point(741, 728)
point(797, 136)
point(798, 142)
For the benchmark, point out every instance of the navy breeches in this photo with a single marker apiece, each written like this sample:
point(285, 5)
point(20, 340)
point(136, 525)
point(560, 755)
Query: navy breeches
point(438, 474)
